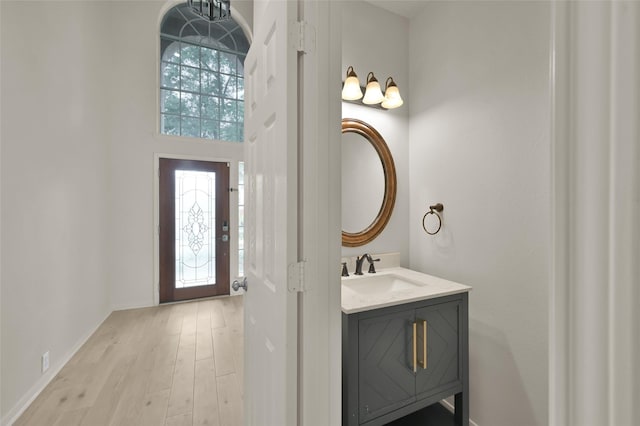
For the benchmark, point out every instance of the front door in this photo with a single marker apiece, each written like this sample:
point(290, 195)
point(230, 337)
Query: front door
point(194, 229)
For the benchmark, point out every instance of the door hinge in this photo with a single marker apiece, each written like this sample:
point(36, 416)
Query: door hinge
point(295, 276)
point(303, 37)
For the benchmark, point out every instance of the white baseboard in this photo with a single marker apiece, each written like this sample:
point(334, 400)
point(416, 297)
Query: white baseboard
point(45, 379)
point(446, 404)
point(132, 306)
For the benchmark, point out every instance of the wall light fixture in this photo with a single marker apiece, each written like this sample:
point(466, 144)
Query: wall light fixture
point(211, 10)
point(351, 90)
point(373, 97)
point(392, 98)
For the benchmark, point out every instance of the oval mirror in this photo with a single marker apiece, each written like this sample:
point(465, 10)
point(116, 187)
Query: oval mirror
point(368, 183)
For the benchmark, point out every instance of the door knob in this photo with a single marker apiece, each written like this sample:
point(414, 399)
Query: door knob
point(238, 285)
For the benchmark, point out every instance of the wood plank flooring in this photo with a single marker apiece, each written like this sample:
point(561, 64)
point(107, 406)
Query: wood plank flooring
point(176, 365)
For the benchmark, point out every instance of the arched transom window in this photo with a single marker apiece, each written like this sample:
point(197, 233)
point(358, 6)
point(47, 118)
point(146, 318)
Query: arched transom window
point(201, 76)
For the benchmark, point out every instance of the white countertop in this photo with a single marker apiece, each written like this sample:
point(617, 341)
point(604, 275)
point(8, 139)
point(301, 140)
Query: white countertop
point(393, 286)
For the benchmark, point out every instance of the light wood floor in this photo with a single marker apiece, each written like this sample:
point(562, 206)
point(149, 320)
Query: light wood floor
point(172, 365)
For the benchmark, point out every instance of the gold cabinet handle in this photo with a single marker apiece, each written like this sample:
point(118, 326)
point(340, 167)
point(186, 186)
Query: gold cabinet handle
point(415, 347)
point(423, 361)
point(424, 344)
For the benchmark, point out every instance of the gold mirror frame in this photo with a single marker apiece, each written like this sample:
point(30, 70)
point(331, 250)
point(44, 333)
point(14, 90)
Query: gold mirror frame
point(356, 239)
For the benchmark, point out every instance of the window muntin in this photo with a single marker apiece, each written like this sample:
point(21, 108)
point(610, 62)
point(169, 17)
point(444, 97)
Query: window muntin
point(202, 78)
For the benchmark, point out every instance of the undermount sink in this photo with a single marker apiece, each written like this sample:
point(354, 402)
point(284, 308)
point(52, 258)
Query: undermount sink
point(377, 284)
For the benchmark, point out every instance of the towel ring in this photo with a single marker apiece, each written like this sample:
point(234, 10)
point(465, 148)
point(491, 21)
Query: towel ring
point(433, 210)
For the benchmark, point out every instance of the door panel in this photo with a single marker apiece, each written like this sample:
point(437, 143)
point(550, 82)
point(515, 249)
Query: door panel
point(271, 317)
point(194, 229)
point(386, 381)
point(442, 348)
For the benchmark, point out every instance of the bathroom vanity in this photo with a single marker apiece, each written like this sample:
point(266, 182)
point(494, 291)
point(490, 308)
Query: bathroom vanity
point(404, 346)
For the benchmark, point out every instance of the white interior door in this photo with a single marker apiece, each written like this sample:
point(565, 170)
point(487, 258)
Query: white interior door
point(271, 320)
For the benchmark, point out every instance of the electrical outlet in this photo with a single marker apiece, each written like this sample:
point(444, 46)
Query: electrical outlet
point(45, 361)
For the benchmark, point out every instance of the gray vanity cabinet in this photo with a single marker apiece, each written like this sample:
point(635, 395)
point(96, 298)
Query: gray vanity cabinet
point(389, 372)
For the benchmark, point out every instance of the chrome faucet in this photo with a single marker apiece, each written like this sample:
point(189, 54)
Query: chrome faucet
point(360, 261)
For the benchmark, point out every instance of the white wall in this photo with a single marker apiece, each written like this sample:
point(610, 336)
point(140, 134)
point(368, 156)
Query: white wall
point(376, 40)
point(54, 186)
point(480, 144)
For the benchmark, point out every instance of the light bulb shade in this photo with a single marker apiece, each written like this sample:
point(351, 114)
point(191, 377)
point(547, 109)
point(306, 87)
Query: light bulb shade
point(392, 98)
point(351, 88)
point(372, 95)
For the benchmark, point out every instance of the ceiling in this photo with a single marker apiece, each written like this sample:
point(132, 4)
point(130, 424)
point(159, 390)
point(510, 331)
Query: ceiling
point(406, 8)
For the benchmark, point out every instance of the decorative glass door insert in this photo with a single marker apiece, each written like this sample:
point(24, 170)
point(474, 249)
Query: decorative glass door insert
point(194, 229)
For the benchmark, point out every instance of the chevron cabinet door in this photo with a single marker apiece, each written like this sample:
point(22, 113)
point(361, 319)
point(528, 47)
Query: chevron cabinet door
point(386, 380)
point(442, 368)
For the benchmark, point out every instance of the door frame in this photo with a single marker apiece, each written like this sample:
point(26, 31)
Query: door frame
point(320, 230)
point(168, 232)
point(233, 215)
point(593, 322)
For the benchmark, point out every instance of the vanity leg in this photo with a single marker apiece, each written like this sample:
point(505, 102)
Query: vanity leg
point(462, 409)
point(461, 413)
